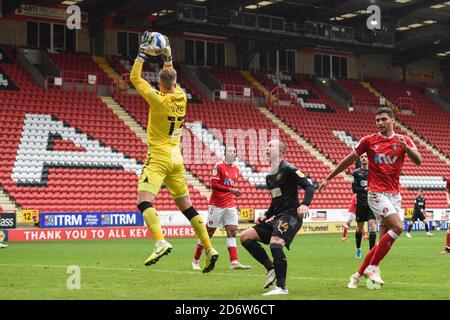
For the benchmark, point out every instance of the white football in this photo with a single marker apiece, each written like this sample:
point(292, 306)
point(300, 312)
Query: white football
point(157, 43)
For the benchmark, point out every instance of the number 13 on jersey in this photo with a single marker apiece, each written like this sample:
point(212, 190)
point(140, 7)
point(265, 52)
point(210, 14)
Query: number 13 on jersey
point(175, 126)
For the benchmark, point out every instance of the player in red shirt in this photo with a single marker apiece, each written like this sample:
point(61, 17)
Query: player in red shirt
point(386, 151)
point(447, 245)
point(351, 217)
point(221, 209)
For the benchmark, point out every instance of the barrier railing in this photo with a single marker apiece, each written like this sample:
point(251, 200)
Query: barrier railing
point(363, 107)
point(122, 85)
point(78, 75)
point(235, 93)
point(406, 102)
point(282, 96)
point(70, 84)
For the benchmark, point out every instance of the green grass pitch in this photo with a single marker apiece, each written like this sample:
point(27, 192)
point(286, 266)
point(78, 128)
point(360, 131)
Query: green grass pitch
point(318, 268)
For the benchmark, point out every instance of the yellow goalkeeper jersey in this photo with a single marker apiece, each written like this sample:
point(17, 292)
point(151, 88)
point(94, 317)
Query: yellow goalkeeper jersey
point(166, 115)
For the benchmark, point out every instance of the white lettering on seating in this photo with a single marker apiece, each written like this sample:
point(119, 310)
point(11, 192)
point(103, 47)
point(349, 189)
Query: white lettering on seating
point(215, 144)
point(33, 158)
point(345, 138)
point(3, 81)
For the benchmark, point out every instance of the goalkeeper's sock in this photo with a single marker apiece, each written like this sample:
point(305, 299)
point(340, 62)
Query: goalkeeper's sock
point(152, 220)
point(426, 227)
point(232, 249)
point(410, 227)
point(258, 253)
point(198, 250)
point(280, 264)
point(199, 226)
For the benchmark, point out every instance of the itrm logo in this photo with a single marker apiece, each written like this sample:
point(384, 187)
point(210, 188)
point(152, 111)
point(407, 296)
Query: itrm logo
point(74, 20)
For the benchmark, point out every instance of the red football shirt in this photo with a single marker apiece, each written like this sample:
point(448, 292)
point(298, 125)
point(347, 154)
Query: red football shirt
point(448, 184)
point(386, 157)
point(225, 176)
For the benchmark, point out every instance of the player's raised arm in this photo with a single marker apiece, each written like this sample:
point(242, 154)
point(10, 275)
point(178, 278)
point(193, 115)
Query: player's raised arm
point(141, 85)
point(410, 149)
point(359, 149)
point(344, 164)
point(166, 54)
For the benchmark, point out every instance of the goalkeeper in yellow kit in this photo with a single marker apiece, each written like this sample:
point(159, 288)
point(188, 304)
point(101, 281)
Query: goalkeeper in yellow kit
point(164, 161)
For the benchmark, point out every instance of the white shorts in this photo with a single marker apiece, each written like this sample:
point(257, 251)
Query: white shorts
point(384, 204)
point(222, 217)
point(351, 217)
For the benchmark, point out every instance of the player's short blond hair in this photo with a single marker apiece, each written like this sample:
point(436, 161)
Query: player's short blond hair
point(168, 77)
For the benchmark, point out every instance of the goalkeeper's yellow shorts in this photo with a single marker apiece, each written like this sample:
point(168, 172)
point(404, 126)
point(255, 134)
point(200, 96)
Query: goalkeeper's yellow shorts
point(164, 167)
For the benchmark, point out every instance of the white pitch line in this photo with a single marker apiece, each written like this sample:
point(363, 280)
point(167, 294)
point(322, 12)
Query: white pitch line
point(419, 284)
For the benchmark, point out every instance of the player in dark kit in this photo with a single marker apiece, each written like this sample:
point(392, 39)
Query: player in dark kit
point(363, 211)
point(419, 214)
point(284, 218)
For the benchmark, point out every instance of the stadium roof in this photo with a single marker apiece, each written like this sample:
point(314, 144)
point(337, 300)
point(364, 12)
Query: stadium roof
point(411, 29)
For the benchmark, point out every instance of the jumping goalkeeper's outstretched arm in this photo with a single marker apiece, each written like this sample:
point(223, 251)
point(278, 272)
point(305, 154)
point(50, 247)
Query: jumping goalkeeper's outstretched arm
point(141, 85)
point(167, 55)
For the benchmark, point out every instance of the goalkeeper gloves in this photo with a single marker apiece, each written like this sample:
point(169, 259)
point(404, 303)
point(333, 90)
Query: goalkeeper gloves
point(145, 47)
point(146, 38)
point(142, 56)
point(166, 53)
